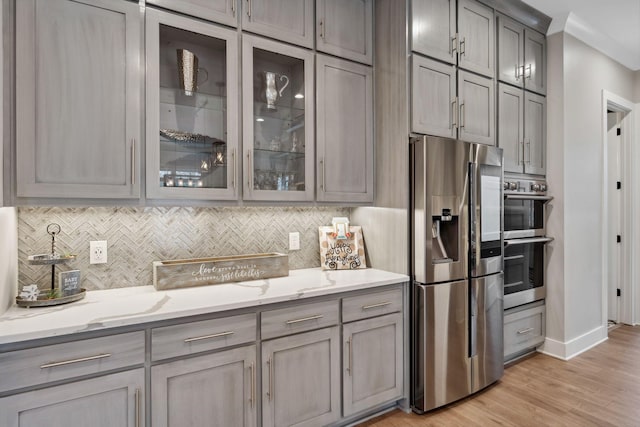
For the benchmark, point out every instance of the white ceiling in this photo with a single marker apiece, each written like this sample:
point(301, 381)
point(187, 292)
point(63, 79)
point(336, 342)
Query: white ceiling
point(611, 26)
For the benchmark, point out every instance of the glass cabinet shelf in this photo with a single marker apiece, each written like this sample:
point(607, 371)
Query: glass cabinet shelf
point(198, 100)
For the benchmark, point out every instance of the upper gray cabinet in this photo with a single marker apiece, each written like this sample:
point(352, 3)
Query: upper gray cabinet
point(285, 20)
point(476, 29)
point(78, 94)
point(344, 160)
point(345, 29)
point(433, 29)
point(222, 11)
point(522, 130)
point(462, 35)
point(521, 55)
point(192, 109)
point(278, 120)
point(433, 97)
point(476, 122)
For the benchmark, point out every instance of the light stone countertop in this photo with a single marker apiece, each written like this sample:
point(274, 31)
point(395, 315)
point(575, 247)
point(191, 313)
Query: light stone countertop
point(140, 304)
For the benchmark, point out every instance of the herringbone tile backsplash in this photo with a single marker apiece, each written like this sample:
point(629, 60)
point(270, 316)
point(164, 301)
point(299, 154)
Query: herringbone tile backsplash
point(138, 236)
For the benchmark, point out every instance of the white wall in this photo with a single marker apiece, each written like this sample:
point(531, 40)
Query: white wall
point(575, 157)
point(8, 257)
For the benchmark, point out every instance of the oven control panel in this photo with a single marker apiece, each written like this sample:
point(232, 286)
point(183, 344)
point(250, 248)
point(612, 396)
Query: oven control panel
point(531, 186)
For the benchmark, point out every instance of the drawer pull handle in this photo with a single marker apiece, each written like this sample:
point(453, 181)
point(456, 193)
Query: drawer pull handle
point(380, 304)
point(206, 337)
point(304, 319)
point(68, 362)
point(525, 331)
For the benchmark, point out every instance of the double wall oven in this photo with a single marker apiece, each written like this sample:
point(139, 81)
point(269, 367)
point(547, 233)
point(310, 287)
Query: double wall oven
point(524, 240)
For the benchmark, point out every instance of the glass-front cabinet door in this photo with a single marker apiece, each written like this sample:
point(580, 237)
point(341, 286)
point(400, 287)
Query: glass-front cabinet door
point(192, 110)
point(278, 119)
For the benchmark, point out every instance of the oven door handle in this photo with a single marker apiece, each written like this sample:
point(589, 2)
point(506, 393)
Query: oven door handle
point(527, 197)
point(512, 242)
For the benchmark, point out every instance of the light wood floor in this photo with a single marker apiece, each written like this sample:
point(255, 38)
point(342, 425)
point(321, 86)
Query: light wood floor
point(600, 387)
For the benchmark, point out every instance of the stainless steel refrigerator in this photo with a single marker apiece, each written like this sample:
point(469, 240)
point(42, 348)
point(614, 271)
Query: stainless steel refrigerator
point(456, 263)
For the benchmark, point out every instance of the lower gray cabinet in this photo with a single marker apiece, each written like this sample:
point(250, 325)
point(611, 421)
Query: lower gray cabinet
point(372, 362)
point(301, 379)
point(524, 329)
point(106, 401)
point(212, 390)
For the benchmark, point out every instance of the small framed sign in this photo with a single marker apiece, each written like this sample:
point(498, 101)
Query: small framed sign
point(338, 253)
point(69, 282)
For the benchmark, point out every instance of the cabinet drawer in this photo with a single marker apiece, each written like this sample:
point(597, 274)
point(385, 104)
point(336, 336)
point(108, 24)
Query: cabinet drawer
point(23, 368)
point(195, 337)
point(370, 305)
point(523, 329)
point(305, 317)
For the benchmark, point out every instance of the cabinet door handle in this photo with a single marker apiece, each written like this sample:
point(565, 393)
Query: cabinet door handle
point(380, 304)
point(462, 114)
point(249, 170)
point(529, 70)
point(454, 43)
point(81, 359)
point(233, 7)
point(350, 348)
point(270, 368)
point(249, 9)
point(252, 398)
point(233, 171)
point(524, 331)
point(454, 113)
point(517, 72)
point(321, 29)
point(463, 46)
point(529, 151)
point(133, 161)
point(322, 185)
point(206, 337)
point(137, 406)
point(304, 319)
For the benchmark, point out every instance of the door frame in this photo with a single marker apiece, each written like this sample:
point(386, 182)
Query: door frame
point(628, 152)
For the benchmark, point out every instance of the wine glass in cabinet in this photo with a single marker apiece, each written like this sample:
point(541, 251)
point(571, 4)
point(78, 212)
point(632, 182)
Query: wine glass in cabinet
point(278, 117)
point(192, 108)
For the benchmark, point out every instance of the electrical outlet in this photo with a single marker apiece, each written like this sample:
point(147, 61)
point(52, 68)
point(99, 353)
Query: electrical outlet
point(98, 252)
point(294, 241)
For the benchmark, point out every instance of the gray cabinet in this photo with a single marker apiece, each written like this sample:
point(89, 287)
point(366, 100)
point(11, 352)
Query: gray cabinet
point(106, 401)
point(524, 329)
point(278, 120)
point(344, 159)
point(301, 379)
point(521, 55)
point(345, 29)
point(434, 28)
point(476, 29)
point(213, 390)
point(222, 11)
point(433, 97)
point(78, 94)
point(286, 20)
point(462, 35)
point(372, 362)
point(535, 135)
point(476, 96)
point(522, 130)
point(192, 116)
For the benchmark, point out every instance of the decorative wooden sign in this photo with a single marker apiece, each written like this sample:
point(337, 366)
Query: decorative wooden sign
point(69, 282)
point(184, 273)
point(342, 254)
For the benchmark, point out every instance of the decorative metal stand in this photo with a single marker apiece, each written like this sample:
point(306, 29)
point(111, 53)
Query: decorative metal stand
point(51, 259)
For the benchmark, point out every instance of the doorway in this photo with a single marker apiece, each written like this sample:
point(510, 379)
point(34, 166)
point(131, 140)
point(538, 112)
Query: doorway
point(618, 229)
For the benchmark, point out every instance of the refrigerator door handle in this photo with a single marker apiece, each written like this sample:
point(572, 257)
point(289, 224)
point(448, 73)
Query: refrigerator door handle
point(472, 215)
point(473, 320)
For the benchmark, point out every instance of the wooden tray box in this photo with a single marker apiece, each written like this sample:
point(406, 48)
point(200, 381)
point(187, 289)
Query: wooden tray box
point(183, 273)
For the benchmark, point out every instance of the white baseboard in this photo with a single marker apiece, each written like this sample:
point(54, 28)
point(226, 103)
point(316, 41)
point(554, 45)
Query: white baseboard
point(572, 348)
